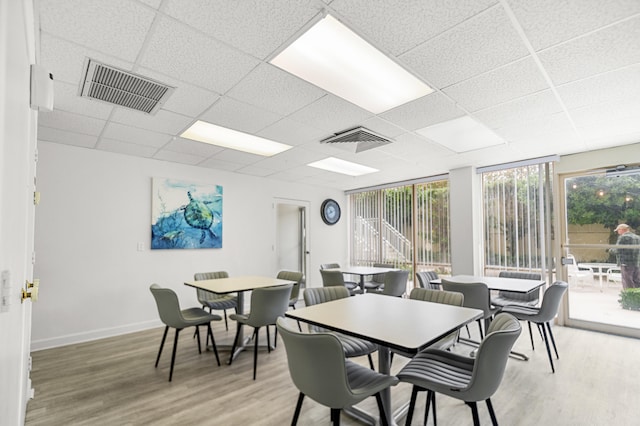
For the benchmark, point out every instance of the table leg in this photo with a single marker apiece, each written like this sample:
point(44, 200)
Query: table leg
point(362, 283)
point(384, 367)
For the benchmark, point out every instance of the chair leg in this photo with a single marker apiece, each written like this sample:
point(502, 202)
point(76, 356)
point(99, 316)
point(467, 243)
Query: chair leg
point(546, 342)
point(553, 340)
point(431, 401)
point(213, 342)
point(412, 404)
point(226, 324)
point(383, 414)
point(531, 335)
point(371, 361)
point(296, 413)
point(468, 332)
point(268, 340)
point(492, 413)
point(255, 350)
point(173, 355)
point(164, 337)
point(235, 343)
point(474, 412)
point(198, 336)
point(335, 416)
point(480, 327)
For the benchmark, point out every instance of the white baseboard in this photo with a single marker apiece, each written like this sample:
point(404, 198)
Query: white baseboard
point(70, 339)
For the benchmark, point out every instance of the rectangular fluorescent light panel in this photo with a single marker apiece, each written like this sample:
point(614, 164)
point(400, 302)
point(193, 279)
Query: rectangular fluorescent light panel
point(337, 165)
point(202, 131)
point(334, 58)
point(462, 134)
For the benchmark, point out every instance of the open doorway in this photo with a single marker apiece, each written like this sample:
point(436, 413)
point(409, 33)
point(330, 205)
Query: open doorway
point(291, 235)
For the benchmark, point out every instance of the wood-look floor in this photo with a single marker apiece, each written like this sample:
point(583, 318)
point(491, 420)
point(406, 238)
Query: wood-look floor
point(113, 382)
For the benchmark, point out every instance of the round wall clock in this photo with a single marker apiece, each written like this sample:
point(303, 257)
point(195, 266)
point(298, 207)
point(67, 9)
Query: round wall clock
point(330, 211)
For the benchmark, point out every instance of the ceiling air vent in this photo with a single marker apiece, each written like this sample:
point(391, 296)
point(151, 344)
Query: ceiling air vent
point(109, 84)
point(357, 140)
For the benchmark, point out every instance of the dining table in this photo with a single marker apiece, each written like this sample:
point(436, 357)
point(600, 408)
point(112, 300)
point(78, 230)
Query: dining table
point(239, 285)
point(393, 323)
point(363, 272)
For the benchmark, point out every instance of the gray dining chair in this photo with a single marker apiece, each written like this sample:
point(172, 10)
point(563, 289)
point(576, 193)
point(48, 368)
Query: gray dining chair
point(477, 296)
point(333, 278)
point(377, 280)
point(425, 278)
point(395, 283)
point(296, 277)
point(460, 377)
point(353, 346)
point(444, 297)
point(319, 370)
point(353, 286)
point(174, 317)
point(542, 316)
point(514, 298)
point(214, 301)
point(267, 304)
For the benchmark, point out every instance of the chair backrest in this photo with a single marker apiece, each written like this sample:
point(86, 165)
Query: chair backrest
point(317, 366)
point(330, 266)
point(267, 304)
point(444, 297)
point(476, 295)
point(395, 283)
point(332, 278)
point(207, 296)
point(425, 278)
point(168, 306)
point(316, 295)
point(379, 278)
point(491, 357)
point(295, 276)
point(551, 301)
point(524, 297)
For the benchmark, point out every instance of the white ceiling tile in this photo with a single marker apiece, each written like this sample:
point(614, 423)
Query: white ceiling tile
point(291, 132)
point(552, 123)
point(332, 114)
point(293, 157)
point(237, 115)
point(399, 25)
point(127, 148)
point(183, 53)
point(238, 157)
point(608, 49)
point(153, 3)
point(214, 163)
point(134, 135)
point(606, 112)
point(49, 134)
point(383, 127)
point(188, 146)
point(500, 85)
point(66, 61)
point(482, 43)
point(620, 84)
point(115, 27)
point(66, 99)
point(256, 171)
point(178, 157)
point(186, 99)
point(412, 147)
point(256, 26)
point(423, 112)
point(607, 141)
point(72, 122)
point(163, 121)
point(520, 110)
point(612, 128)
point(548, 22)
point(275, 90)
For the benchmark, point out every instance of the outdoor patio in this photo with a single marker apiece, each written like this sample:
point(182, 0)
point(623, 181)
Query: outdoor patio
point(587, 301)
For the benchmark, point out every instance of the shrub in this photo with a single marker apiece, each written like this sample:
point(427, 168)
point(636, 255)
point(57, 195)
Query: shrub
point(630, 299)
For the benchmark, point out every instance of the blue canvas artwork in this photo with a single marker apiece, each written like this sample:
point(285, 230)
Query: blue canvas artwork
point(185, 215)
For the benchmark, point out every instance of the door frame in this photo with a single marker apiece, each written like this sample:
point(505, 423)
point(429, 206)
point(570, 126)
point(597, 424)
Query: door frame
point(303, 206)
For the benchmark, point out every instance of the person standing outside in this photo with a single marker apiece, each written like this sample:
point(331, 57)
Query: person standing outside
point(628, 258)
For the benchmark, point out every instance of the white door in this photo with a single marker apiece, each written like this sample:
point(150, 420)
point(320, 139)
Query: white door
point(17, 185)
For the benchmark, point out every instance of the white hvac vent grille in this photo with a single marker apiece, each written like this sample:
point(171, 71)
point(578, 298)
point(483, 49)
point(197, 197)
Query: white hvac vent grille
point(122, 88)
point(357, 140)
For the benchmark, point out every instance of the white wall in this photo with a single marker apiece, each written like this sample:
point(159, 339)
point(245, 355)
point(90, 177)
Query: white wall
point(96, 208)
point(465, 221)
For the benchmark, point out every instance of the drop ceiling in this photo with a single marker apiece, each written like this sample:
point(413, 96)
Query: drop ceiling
point(549, 77)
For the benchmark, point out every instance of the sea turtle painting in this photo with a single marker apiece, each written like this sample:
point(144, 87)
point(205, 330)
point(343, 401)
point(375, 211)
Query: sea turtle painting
point(198, 215)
